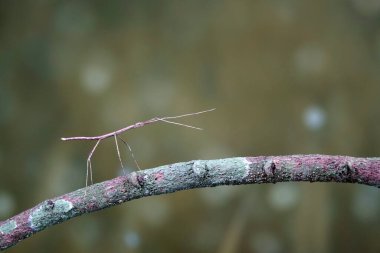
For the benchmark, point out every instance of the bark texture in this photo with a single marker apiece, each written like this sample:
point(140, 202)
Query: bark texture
point(189, 175)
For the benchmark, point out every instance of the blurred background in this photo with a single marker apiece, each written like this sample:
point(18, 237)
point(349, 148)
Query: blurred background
point(286, 77)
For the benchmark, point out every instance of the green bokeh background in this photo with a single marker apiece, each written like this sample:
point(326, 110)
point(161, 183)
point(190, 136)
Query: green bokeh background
point(286, 77)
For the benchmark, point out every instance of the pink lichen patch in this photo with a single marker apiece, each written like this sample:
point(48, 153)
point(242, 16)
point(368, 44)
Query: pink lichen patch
point(73, 200)
point(159, 176)
point(92, 207)
point(368, 171)
point(114, 182)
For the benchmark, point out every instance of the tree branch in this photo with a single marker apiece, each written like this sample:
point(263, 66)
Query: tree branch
point(189, 175)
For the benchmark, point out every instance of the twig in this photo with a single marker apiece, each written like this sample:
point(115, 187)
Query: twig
point(188, 175)
point(120, 131)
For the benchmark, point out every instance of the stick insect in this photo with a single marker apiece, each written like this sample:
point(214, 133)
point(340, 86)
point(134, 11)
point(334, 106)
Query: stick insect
point(115, 135)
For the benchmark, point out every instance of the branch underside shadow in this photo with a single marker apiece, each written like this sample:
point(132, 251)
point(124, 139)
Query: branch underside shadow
point(188, 175)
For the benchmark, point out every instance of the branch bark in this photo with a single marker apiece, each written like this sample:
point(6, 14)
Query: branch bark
point(188, 175)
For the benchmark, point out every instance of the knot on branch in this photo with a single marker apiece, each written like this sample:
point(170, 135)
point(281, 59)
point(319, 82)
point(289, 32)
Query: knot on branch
point(269, 168)
point(347, 172)
point(200, 169)
point(136, 180)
